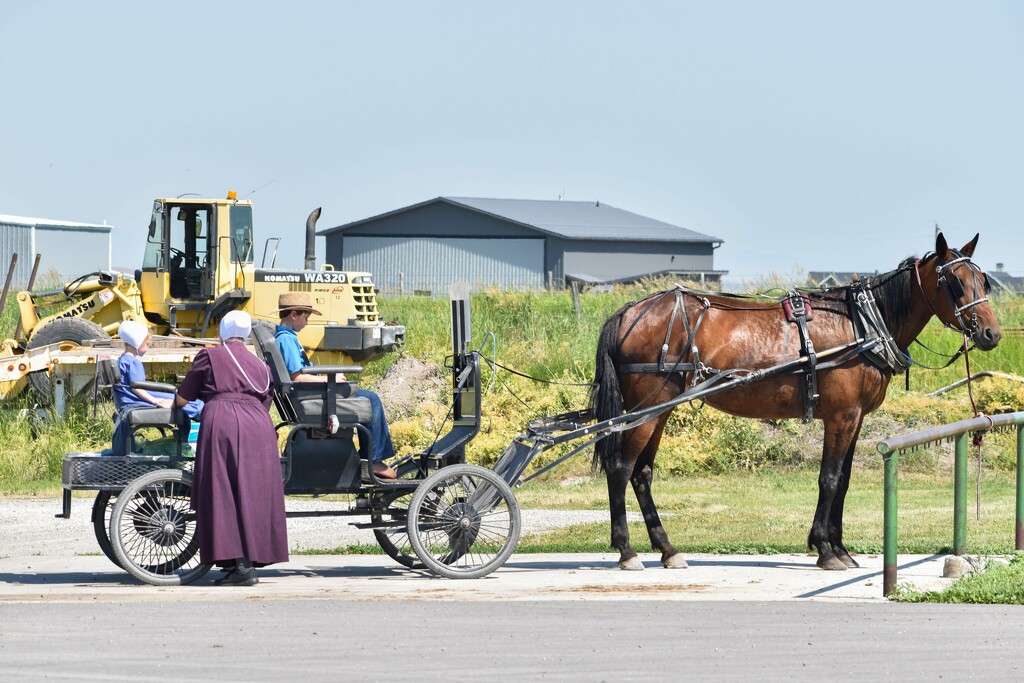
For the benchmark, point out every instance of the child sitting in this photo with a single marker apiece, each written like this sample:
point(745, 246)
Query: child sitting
point(136, 337)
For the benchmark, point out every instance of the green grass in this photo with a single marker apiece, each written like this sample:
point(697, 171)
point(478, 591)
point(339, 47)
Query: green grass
point(998, 584)
point(771, 511)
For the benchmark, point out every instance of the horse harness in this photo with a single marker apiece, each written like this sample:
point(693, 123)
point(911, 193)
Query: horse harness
point(871, 338)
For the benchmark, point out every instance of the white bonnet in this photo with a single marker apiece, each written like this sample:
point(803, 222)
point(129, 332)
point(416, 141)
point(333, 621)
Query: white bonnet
point(133, 332)
point(236, 324)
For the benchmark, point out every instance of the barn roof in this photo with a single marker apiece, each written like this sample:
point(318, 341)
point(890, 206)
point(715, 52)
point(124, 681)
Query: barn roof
point(49, 223)
point(570, 220)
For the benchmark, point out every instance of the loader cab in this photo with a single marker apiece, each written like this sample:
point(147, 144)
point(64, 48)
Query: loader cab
point(178, 249)
point(194, 248)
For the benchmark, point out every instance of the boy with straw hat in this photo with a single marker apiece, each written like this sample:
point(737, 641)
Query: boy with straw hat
point(294, 309)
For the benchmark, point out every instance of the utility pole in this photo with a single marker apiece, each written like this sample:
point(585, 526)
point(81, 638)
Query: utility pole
point(937, 231)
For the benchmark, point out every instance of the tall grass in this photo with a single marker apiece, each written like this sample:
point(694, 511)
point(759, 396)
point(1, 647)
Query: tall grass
point(33, 442)
point(540, 334)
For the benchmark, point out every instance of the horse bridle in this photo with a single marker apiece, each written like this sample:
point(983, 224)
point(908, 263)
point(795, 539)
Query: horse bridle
point(954, 290)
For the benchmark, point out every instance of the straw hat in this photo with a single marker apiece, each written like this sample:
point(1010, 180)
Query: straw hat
point(296, 301)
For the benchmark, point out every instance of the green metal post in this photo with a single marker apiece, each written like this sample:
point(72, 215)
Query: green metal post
point(1020, 490)
point(891, 460)
point(960, 496)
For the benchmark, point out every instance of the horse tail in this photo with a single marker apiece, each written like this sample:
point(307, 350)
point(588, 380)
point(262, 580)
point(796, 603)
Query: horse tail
point(606, 396)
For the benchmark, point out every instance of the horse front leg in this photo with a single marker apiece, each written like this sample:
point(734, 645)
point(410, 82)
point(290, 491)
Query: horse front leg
point(840, 433)
point(641, 480)
point(835, 527)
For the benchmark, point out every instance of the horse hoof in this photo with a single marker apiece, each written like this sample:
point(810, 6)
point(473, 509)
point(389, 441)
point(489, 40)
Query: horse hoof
point(848, 561)
point(831, 564)
point(633, 564)
point(675, 562)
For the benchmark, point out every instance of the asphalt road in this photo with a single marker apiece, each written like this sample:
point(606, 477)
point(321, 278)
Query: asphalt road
point(69, 616)
point(563, 617)
point(600, 640)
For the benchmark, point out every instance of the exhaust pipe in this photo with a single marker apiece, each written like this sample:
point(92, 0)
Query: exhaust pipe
point(311, 239)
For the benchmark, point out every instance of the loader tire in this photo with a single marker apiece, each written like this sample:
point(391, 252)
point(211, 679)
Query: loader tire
point(68, 332)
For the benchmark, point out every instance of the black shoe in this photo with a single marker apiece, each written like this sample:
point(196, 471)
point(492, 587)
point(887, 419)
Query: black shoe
point(239, 577)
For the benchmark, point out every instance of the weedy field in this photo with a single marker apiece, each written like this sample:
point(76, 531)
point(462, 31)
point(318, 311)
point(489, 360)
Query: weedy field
point(542, 334)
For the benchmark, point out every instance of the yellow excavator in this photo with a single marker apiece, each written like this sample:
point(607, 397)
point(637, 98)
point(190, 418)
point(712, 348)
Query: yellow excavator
point(198, 264)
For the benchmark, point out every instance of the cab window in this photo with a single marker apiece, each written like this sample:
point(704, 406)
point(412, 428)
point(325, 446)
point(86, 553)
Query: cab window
point(153, 259)
point(241, 234)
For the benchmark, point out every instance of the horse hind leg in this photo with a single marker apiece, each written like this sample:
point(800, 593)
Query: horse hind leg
point(670, 557)
point(618, 477)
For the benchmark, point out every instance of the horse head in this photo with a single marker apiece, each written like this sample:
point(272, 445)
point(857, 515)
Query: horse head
point(957, 290)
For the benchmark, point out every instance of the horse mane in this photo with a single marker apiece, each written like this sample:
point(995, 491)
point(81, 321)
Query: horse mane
point(892, 292)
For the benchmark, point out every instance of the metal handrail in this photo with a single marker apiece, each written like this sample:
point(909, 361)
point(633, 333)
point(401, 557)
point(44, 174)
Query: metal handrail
point(958, 431)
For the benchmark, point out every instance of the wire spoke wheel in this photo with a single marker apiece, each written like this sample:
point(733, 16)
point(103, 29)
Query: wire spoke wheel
point(394, 539)
point(463, 522)
point(101, 509)
point(153, 531)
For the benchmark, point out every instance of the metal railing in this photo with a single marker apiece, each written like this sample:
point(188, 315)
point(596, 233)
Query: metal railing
point(958, 431)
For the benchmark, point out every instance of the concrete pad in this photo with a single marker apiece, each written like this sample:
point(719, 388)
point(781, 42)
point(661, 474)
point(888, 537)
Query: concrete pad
point(524, 577)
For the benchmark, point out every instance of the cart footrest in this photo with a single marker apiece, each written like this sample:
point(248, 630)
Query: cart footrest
point(96, 471)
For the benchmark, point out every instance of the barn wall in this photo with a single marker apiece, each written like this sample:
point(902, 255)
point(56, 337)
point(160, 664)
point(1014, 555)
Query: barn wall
point(72, 251)
point(430, 265)
point(68, 251)
point(606, 260)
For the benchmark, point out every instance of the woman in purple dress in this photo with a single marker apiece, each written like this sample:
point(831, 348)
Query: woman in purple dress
point(237, 490)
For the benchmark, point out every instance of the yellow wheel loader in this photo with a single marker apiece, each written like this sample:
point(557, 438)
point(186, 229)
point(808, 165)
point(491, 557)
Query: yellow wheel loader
point(198, 264)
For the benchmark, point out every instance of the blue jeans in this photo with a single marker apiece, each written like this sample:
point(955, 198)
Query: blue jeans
point(378, 427)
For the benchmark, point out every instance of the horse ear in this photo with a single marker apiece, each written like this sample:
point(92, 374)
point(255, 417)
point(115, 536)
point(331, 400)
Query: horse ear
point(941, 248)
point(968, 249)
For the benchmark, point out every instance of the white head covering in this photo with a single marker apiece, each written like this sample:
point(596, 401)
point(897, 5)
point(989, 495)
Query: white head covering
point(133, 332)
point(235, 324)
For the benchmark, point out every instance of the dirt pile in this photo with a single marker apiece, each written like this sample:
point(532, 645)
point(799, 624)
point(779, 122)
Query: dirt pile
point(409, 383)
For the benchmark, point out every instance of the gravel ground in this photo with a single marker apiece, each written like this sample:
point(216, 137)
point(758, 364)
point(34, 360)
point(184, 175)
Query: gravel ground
point(31, 528)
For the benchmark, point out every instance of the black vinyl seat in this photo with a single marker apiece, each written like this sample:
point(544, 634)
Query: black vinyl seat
point(304, 402)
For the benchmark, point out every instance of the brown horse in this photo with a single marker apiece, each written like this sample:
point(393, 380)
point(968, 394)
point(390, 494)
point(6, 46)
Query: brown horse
point(653, 350)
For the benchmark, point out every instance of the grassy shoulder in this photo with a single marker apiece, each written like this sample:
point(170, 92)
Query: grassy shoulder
point(999, 584)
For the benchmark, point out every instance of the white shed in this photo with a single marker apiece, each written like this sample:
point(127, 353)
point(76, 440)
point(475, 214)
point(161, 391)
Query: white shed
point(68, 248)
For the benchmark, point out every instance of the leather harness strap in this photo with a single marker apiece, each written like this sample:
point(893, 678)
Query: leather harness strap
point(798, 310)
point(664, 364)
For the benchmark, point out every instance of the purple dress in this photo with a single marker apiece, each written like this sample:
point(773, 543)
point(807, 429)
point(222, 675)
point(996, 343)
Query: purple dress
point(237, 489)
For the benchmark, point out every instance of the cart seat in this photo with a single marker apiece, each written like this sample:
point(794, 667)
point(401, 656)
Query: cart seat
point(303, 402)
point(109, 375)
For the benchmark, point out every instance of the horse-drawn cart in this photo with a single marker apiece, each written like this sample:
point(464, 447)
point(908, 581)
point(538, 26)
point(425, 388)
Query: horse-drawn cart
point(459, 520)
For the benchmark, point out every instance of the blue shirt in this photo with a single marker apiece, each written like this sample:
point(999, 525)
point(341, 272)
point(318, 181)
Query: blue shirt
point(131, 370)
point(130, 367)
point(295, 357)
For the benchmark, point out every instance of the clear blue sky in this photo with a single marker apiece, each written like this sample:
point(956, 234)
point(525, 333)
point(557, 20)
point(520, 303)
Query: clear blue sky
point(804, 134)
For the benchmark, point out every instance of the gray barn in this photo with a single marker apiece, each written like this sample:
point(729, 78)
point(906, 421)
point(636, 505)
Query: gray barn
point(515, 244)
point(67, 248)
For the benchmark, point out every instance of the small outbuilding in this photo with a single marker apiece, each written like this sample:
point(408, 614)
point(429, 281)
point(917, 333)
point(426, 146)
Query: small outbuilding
point(516, 244)
point(69, 249)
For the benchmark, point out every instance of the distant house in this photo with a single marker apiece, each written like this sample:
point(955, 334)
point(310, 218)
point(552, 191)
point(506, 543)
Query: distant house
point(1002, 282)
point(833, 278)
point(69, 248)
point(516, 243)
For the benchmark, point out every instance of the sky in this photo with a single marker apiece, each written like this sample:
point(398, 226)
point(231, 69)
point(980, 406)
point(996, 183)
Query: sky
point(805, 135)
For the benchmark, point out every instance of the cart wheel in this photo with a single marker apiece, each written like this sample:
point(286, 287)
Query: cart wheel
point(153, 531)
point(101, 509)
point(394, 509)
point(463, 522)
